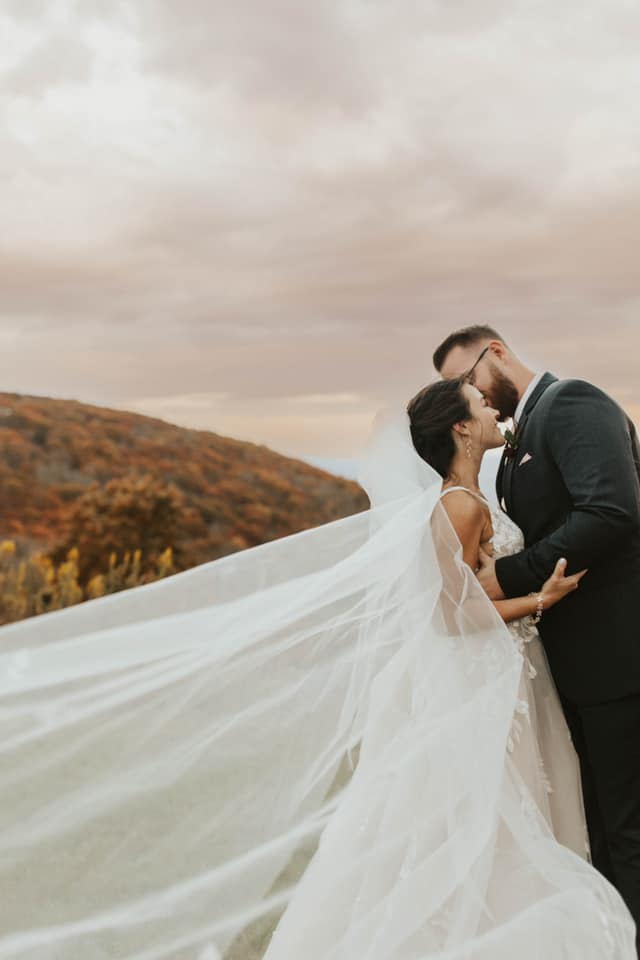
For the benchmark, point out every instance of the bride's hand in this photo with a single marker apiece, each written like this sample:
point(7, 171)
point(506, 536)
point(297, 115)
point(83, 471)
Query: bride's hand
point(558, 585)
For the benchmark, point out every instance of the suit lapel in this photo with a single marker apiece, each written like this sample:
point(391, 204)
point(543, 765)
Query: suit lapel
point(507, 469)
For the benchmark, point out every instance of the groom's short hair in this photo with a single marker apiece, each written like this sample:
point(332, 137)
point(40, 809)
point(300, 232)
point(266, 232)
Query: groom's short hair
point(464, 338)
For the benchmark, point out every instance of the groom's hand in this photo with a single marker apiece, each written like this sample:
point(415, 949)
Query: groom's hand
point(486, 574)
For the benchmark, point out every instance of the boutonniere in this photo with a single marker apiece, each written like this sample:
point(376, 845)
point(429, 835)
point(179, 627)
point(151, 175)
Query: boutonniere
point(511, 443)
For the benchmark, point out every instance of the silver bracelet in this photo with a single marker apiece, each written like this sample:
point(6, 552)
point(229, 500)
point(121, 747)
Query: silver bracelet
point(537, 616)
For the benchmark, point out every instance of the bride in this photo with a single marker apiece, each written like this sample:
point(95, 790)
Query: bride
point(452, 427)
point(330, 746)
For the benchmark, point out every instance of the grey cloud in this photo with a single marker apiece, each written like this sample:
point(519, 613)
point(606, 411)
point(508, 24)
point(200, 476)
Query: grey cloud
point(303, 54)
point(59, 59)
point(347, 185)
point(25, 9)
point(345, 261)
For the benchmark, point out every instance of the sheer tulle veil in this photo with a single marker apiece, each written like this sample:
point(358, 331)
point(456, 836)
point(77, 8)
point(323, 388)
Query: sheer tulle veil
point(307, 737)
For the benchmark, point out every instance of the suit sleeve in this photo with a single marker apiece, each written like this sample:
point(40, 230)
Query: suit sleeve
point(590, 443)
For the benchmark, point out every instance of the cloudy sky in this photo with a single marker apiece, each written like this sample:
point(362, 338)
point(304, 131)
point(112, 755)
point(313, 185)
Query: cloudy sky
point(260, 217)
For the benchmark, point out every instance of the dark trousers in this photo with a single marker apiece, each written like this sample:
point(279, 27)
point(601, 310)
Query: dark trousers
point(607, 739)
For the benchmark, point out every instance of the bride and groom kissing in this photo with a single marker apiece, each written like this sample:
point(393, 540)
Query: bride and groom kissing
point(568, 486)
point(179, 775)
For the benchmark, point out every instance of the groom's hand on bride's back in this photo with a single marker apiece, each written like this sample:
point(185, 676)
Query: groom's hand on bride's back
point(554, 589)
point(559, 585)
point(486, 574)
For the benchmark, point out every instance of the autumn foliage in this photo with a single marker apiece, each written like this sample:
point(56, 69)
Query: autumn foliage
point(129, 514)
point(39, 585)
point(81, 483)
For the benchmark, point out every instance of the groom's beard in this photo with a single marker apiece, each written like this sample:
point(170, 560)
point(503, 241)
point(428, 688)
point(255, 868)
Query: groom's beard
point(503, 395)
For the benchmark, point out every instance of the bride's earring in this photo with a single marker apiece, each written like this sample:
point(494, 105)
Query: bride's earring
point(469, 447)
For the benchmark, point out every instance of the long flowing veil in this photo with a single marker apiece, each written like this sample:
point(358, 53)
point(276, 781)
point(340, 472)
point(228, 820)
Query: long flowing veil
point(308, 737)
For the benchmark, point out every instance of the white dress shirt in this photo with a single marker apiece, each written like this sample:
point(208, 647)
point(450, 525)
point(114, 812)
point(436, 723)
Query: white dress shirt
point(525, 396)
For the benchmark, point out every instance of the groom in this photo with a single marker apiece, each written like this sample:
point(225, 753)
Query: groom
point(570, 478)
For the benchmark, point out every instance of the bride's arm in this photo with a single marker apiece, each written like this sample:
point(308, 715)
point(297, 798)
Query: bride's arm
point(517, 608)
point(469, 520)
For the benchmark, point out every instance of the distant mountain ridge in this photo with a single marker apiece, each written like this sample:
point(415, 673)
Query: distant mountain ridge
point(345, 467)
point(233, 494)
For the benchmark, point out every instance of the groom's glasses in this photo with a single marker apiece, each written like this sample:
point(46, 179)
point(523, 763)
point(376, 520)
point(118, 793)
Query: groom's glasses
point(470, 376)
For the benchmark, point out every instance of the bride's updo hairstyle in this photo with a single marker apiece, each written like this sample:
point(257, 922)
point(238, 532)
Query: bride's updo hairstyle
point(432, 414)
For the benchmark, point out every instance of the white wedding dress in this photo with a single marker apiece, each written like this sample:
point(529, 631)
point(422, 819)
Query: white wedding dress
point(333, 735)
point(542, 776)
point(547, 762)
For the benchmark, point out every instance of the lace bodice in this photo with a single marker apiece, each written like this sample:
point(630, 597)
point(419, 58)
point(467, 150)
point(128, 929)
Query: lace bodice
point(507, 536)
point(507, 540)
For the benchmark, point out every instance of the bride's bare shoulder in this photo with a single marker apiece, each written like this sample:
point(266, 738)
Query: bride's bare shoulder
point(464, 509)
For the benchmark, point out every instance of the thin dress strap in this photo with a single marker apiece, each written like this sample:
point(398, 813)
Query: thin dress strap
point(478, 496)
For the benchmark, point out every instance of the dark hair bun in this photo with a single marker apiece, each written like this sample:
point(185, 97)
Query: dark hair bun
point(432, 414)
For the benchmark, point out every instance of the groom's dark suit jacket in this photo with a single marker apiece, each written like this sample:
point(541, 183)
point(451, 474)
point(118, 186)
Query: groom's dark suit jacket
point(577, 495)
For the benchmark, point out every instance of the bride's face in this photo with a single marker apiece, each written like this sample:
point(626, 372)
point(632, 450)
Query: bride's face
point(483, 425)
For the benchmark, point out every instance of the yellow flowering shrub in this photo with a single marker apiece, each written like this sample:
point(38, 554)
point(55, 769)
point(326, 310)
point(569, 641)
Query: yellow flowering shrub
point(34, 586)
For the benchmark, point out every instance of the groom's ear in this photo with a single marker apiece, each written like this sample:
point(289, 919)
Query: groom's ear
point(498, 349)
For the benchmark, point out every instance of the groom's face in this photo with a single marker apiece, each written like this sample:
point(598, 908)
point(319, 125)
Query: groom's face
point(485, 372)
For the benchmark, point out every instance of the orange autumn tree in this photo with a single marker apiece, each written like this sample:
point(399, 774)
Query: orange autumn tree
point(132, 514)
